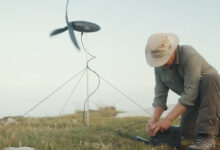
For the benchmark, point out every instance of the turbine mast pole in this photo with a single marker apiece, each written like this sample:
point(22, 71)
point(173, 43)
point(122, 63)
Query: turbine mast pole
point(87, 85)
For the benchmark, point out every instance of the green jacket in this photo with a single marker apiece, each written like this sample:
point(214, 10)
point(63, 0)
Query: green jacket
point(183, 77)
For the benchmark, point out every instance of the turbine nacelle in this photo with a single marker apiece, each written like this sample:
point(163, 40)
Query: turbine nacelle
point(80, 26)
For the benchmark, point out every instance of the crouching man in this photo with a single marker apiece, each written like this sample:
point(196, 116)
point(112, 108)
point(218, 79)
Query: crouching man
point(183, 70)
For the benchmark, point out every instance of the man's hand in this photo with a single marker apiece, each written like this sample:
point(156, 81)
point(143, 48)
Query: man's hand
point(149, 127)
point(157, 113)
point(162, 126)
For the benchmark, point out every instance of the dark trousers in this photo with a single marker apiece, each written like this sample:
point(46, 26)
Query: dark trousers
point(203, 117)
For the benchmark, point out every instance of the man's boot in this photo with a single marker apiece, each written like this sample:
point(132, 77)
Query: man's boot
point(203, 142)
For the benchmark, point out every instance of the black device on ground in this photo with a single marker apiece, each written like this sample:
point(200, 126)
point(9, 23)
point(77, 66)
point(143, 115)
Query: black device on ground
point(140, 139)
point(171, 137)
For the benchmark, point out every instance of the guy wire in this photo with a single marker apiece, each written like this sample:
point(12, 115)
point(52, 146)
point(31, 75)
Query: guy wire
point(1, 131)
point(99, 77)
point(147, 112)
point(74, 89)
point(52, 93)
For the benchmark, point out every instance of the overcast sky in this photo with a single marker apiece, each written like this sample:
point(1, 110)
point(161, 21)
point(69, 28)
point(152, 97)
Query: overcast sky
point(32, 64)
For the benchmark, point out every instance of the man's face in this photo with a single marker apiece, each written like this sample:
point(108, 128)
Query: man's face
point(170, 61)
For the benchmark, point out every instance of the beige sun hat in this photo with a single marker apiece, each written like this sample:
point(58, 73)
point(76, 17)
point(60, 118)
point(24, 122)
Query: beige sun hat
point(160, 47)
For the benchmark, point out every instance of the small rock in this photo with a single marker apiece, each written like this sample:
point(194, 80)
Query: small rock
point(19, 148)
point(7, 121)
point(10, 121)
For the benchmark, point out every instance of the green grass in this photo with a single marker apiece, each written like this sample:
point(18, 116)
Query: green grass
point(64, 133)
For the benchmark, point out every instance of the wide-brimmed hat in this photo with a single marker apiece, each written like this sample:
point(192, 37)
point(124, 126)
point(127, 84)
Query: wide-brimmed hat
point(160, 47)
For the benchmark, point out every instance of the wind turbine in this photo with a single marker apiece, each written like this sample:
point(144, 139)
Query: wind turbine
point(83, 27)
point(80, 26)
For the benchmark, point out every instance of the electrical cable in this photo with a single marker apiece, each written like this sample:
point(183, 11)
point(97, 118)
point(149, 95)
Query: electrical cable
point(72, 36)
point(90, 95)
point(87, 66)
point(99, 77)
point(84, 48)
point(134, 124)
point(126, 127)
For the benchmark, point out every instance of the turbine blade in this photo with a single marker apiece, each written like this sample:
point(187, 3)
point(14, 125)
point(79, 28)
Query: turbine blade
point(70, 29)
point(58, 31)
point(72, 36)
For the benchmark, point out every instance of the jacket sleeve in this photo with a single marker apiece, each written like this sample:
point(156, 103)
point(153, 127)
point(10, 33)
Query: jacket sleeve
point(161, 92)
point(192, 75)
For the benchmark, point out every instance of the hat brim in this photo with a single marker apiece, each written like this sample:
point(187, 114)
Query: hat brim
point(158, 62)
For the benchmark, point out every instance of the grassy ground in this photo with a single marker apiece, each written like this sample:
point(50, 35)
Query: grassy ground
point(69, 133)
